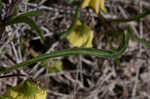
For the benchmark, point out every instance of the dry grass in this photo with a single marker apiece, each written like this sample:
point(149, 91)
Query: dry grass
point(83, 77)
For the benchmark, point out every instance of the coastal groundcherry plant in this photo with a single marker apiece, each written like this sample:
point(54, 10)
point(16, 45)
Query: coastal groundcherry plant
point(25, 90)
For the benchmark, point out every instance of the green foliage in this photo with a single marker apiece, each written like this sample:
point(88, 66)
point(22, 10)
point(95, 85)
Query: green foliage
point(23, 18)
point(31, 13)
point(114, 54)
point(134, 18)
point(72, 26)
point(74, 51)
point(30, 22)
point(27, 88)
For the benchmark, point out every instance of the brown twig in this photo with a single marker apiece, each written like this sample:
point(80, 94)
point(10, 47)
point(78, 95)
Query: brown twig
point(11, 75)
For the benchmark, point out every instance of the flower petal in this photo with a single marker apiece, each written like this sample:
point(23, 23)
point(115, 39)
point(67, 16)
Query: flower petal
point(41, 95)
point(95, 4)
point(101, 3)
point(75, 39)
point(85, 3)
point(88, 43)
point(81, 36)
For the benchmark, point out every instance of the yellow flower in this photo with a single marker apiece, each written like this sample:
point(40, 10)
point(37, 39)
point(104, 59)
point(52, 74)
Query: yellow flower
point(41, 95)
point(96, 4)
point(81, 36)
point(25, 90)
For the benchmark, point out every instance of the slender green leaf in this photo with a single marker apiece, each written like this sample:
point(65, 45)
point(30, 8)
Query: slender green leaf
point(134, 18)
point(141, 40)
point(74, 21)
point(27, 14)
point(123, 46)
point(31, 13)
point(30, 22)
point(73, 51)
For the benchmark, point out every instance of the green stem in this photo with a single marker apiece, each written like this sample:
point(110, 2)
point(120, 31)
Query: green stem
point(29, 21)
point(141, 40)
point(74, 21)
point(134, 18)
point(74, 51)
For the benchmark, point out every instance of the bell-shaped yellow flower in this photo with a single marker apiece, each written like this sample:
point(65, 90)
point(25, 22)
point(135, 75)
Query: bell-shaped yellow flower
point(25, 90)
point(95, 4)
point(81, 36)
